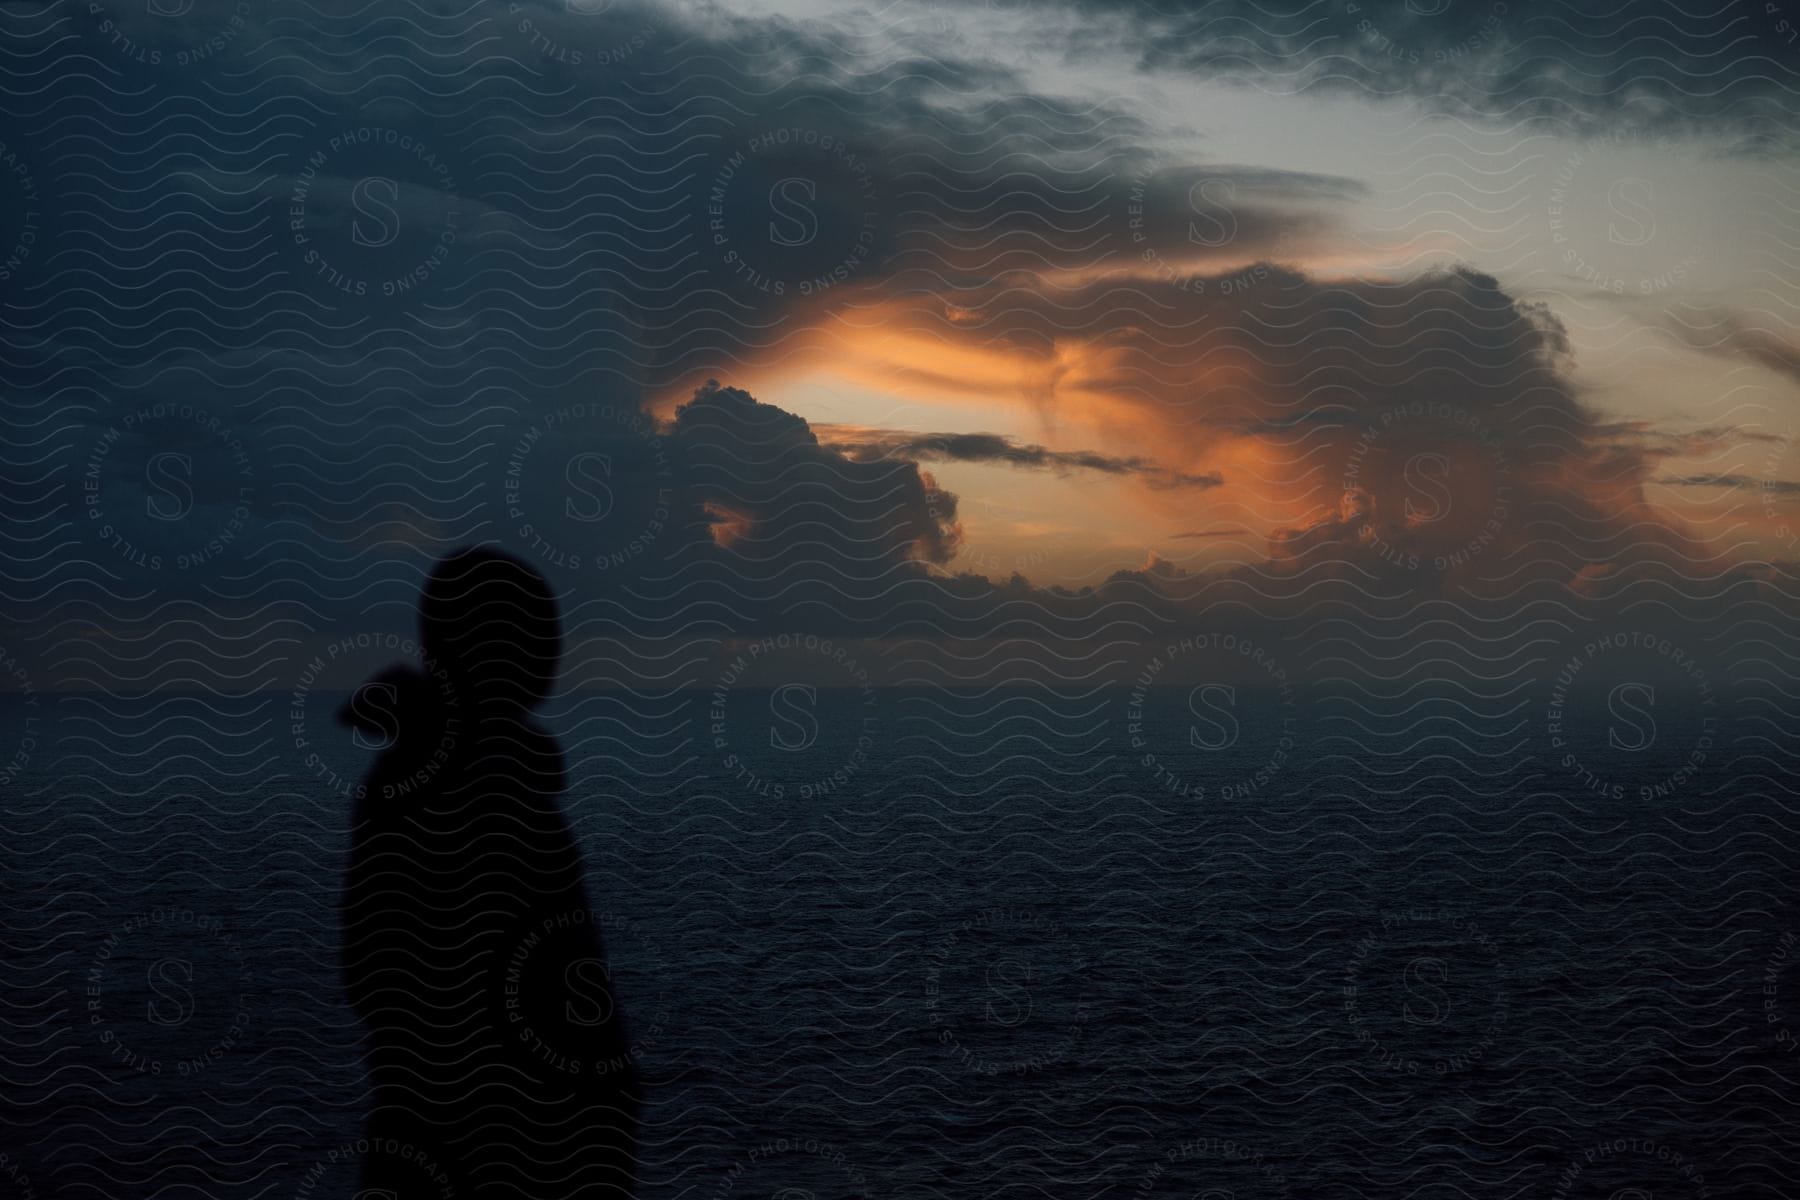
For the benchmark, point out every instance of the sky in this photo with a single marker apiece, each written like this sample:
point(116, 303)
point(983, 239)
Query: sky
point(1047, 321)
point(925, 414)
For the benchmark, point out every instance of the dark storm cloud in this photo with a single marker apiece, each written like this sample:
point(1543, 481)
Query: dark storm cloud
point(811, 172)
point(1541, 501)
point(1649, 67)
point(890, 188)
point(997, 448)
point(388, 270)
point(573, 201)
point(698, 185)
point(732, 513)
point(1422, 431)
point(802, 505)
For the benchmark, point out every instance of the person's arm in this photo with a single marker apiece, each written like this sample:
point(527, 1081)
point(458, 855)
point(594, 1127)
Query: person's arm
point(390, 713)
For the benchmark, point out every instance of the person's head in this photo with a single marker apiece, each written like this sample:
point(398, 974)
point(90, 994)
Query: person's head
point(490, 622)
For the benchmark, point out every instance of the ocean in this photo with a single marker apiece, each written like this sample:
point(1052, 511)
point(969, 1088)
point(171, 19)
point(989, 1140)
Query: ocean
point(931, 942)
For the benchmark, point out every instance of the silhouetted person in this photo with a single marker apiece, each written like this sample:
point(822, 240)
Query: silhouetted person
point(495, 1052)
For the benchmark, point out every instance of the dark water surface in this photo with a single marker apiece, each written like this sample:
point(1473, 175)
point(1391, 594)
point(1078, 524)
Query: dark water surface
point(994, 943)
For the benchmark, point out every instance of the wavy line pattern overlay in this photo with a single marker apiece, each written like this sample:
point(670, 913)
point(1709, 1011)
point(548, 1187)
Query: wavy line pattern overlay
point(1081, 600)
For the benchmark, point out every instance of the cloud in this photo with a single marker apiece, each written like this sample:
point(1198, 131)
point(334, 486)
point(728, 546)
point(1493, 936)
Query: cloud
point(805, 506)
point(997, 448)
point(1642, 68)
point(1733, 334)
point(1399, 443)
point(1779, 487)
point(1427, 426)
point(930, 221)
point(1204, 534)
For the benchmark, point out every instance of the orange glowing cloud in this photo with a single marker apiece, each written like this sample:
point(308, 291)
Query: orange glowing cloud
point(1427, 421)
